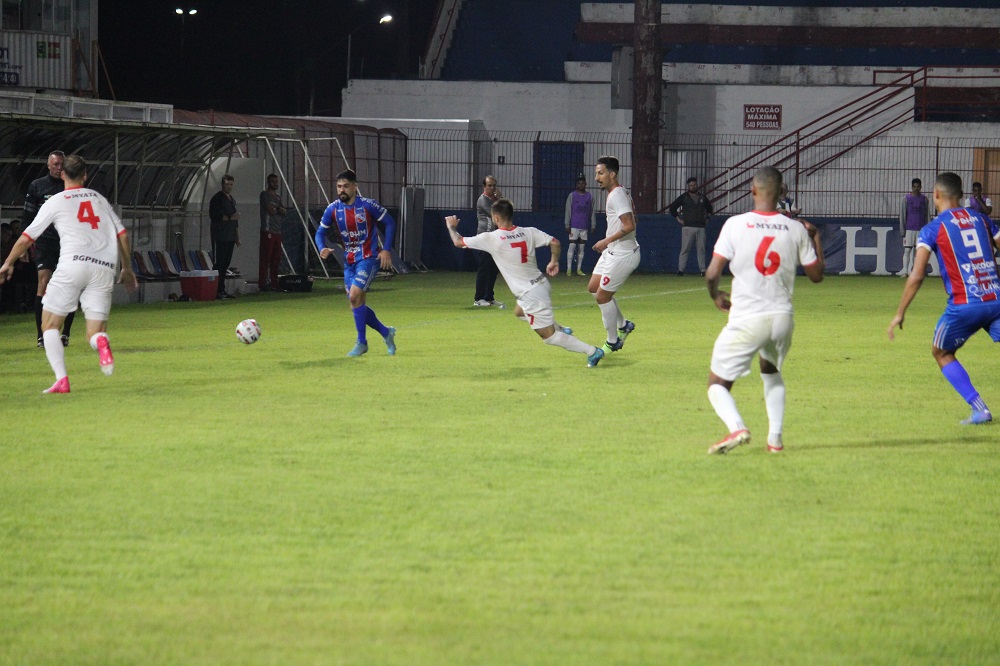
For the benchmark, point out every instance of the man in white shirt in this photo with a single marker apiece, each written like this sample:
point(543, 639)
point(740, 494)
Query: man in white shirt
point(513, 249)
point(764, 250)
point(619, 254)
point(92, 239)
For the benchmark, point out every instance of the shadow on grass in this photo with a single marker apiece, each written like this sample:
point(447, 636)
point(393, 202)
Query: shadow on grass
point(986, 436)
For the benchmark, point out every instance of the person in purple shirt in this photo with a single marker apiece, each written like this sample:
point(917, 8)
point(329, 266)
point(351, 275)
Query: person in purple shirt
point(912, 218)
point(355, 218)
point(964, 242)
point(978, 202)
point(580, 217)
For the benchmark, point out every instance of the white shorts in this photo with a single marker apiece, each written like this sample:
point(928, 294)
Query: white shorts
point(614, 269)
point(577, 235)
point(910, 238)
point(770, 335)
point(537, 305)
point(79, 283)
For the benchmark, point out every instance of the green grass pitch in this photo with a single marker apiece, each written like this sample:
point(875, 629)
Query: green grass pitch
point(484, 498)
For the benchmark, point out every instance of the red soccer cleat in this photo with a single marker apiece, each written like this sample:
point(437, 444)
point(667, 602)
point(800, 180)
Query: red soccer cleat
point(104, 351)
point(61, 386)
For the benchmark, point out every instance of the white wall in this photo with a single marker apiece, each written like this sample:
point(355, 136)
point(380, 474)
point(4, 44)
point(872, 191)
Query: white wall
point(708, 109)
point(556, 107)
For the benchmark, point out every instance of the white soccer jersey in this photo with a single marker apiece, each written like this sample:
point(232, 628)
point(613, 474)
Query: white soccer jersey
point(764, 252)
point(88, 227)
point(619, 203)
point(513, 251)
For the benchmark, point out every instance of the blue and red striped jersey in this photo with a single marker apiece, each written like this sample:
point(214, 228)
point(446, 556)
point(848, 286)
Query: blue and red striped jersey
point(961, 239)
point(356, 223)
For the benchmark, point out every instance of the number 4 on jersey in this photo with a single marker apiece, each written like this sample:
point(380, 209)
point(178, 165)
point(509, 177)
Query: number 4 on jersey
point(86, 214)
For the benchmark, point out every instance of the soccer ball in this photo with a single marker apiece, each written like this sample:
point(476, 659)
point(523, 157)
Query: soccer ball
point(248, 331)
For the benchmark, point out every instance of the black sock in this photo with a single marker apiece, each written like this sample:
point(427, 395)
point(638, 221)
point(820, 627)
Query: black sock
point(68, 324)
point(38, 315)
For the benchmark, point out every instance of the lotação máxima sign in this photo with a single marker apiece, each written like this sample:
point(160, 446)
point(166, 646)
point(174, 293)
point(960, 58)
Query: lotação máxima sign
point(762, 116)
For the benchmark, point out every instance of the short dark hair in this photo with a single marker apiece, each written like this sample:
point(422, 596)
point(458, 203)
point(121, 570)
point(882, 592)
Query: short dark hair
point(916, 181)
point(977, 184)
point(611, 163)
point(503, 209)
point(347, 175)
point(75, 167)
point(690, 180)
point(271, 175)
point(228, 179)
point(580, 178)
point(950, 184)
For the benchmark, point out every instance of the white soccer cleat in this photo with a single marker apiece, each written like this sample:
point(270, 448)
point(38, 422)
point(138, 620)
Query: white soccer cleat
point(730, 442)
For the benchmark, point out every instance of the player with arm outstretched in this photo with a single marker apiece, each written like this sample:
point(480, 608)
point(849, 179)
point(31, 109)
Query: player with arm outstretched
point(963, 240)
point(764, 250)
point(355, 218)
point(92, 242)
point(513, 249)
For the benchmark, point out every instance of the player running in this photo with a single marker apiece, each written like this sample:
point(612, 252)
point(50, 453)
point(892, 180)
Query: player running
point(355, 217)
point(619, 254)
point(513, 249)
point(963, 240)
point(92, 239)
point(764, 249)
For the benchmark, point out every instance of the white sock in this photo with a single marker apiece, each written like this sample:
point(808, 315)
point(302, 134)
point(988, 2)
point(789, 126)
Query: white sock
point(93, 339)
point(579, 259)
point(724, 405)
point(54, 352)
point(609, 315)
point(774, 398)
point(570, 251)
point(570, 343)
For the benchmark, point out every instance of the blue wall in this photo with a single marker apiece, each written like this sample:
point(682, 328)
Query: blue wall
point(530, 40)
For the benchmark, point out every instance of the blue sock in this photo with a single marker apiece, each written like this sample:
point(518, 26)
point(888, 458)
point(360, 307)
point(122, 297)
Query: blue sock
point(360, 313)
point(959, 379)
point(373, 321)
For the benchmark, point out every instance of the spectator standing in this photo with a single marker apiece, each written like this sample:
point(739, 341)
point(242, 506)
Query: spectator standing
point(272, 215)
point(785, 204)
point(486, 275)
point(354, 217)
point(580, 216)
point(225, 230)
point(93, 241)
point(46, 249)
point(691, 210)
point(914, 216)
point(978, 202)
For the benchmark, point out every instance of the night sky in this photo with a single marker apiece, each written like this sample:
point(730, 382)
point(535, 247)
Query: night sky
point(252, 56)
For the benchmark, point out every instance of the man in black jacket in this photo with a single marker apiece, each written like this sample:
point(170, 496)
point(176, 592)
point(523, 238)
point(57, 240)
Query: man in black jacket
point(692, 210)
point(46, 251)
point(225, 229)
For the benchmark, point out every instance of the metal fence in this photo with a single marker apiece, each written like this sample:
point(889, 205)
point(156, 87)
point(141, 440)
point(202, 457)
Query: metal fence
point(834, 178)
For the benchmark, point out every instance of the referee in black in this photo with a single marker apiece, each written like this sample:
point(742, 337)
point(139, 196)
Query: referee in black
point(46, 245)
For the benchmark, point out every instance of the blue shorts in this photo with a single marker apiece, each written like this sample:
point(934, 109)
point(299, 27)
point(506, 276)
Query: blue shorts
point(361, 274)
point(960, 322)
